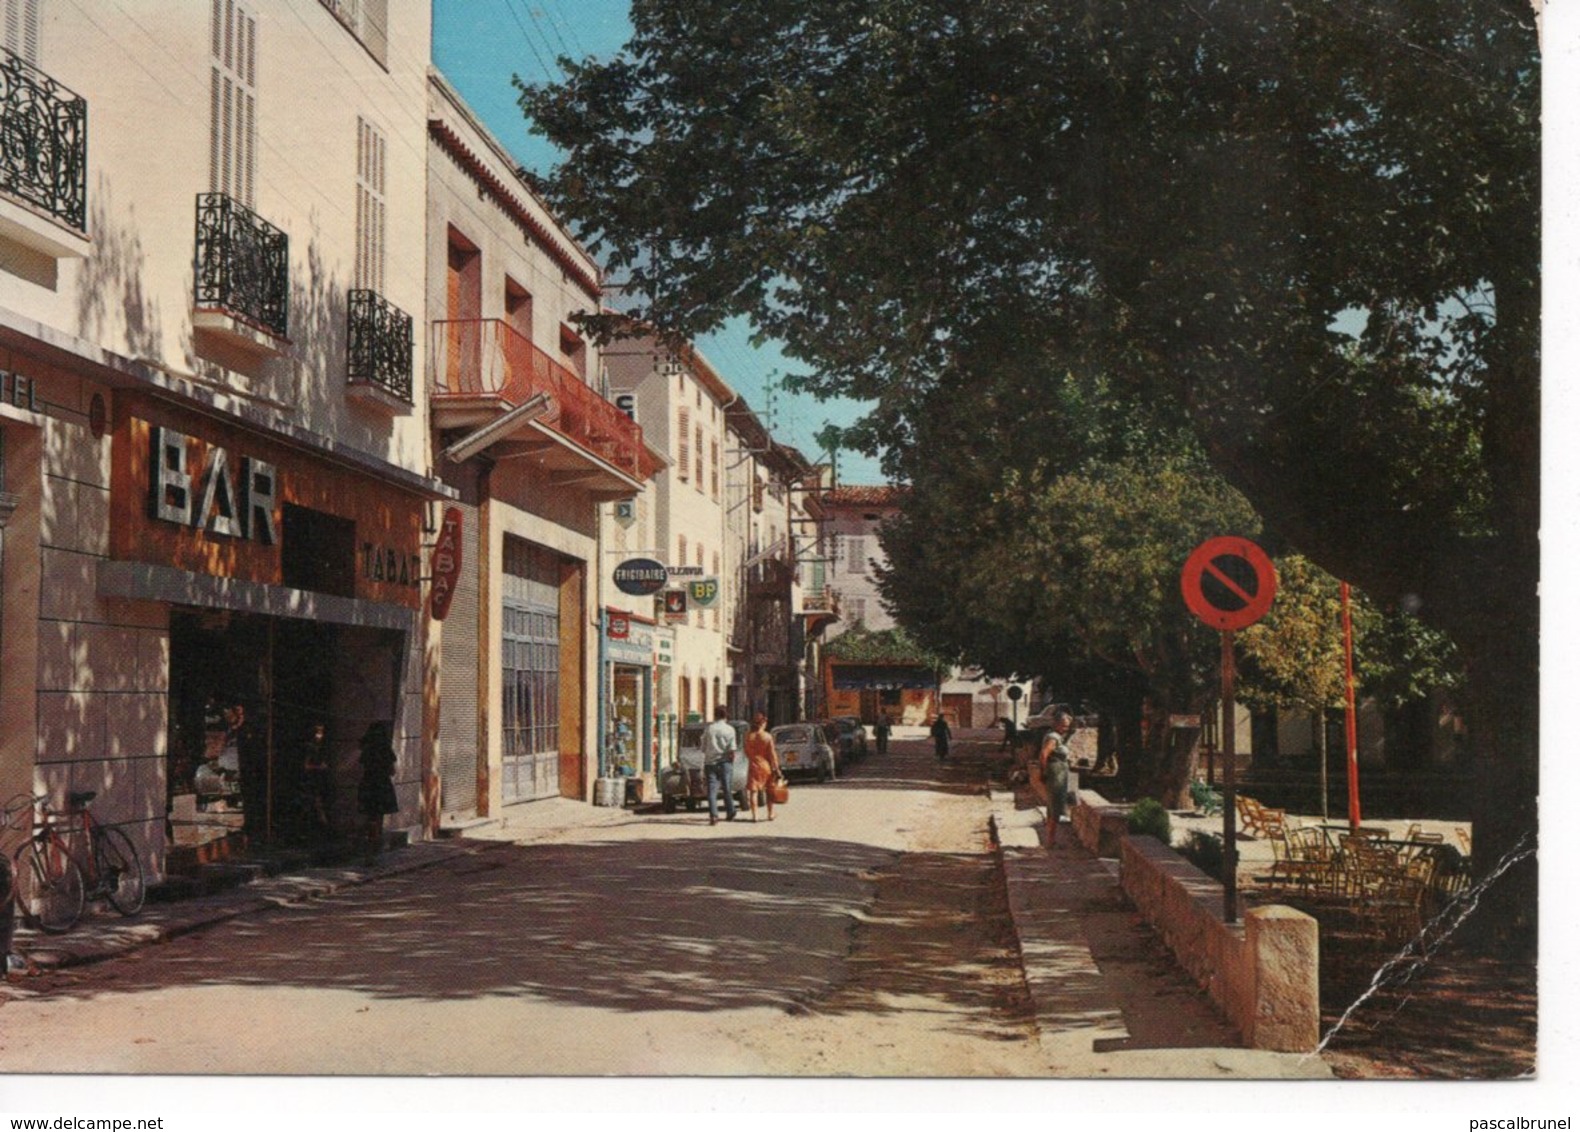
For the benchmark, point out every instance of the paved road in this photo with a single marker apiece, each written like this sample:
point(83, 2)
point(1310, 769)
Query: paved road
point(864, 933)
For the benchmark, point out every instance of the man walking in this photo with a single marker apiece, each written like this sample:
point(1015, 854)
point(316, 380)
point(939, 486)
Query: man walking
point(941, 733)
point(718, 763)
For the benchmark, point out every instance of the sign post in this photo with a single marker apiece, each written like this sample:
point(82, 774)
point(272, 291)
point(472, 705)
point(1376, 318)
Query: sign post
point(1229, 583)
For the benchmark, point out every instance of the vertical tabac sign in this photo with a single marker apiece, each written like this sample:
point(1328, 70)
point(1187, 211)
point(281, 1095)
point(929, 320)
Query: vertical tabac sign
point(445, 564)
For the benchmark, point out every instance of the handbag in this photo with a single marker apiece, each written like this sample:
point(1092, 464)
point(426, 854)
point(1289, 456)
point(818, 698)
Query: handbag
point(779, 791)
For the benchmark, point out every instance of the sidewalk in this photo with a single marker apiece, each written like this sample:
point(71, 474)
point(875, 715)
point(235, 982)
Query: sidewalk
point(102, 935)
point(1063, 904)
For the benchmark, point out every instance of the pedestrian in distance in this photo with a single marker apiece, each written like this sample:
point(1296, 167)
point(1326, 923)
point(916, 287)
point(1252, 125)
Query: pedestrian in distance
point(880, 732)
point(316, 782)
point(1054, 761)
point(941, 736)
point(1009, 734)
point(718, 763)
point(246, 755)
point(762, 765)
point(376, 790)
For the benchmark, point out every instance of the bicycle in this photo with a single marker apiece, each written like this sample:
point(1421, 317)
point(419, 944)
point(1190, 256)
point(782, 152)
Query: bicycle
point(52, 887)
point(47, 883)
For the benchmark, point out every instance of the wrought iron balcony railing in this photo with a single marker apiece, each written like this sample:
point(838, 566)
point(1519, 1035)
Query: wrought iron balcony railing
point(43, 142)
point(378, 344)
point(242, 264)
point(489, 358)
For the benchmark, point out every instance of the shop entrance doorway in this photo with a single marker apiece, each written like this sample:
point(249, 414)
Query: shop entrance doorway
point(265, 718)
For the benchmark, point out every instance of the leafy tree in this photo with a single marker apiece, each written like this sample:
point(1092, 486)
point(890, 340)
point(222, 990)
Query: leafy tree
point(1312, 228)
point(861, 645)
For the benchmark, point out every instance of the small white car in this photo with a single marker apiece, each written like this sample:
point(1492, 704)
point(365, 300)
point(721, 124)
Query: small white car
point(803, 751)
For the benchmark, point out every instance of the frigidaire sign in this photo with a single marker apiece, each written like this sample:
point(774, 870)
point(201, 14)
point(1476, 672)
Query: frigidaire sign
point(640, 577)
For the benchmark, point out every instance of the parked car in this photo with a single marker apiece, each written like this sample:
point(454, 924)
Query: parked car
point(683, 782)
point(804, 752)
point(848, 738)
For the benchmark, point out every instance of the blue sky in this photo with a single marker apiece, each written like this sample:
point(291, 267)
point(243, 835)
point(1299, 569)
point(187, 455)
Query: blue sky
point(480, 44)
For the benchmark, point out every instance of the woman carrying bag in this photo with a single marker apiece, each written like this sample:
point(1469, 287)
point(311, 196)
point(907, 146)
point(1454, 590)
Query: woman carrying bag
point(762, 763)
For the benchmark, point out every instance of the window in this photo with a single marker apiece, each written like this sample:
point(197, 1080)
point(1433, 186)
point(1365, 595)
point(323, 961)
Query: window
point(714, 447)
point(518, 308)
point(683, 457)
point(699, 457)
point(21, 29)
point(858, 609)
point(368, 20)
point(370, 207)
point(233, 79)
point(680, 544)
point(685, 696)
point(855, 554)
point(574, 351)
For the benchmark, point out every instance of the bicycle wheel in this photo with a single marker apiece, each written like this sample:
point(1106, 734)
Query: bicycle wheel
point(49, 888)
point(119, 872)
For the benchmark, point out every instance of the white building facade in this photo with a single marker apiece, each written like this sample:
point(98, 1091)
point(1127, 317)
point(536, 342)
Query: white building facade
point(215, 466)
point(534, 452)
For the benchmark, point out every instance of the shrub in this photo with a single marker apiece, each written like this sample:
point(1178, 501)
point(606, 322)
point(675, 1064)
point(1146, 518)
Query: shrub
point(1205, 851)
point(1149, 816)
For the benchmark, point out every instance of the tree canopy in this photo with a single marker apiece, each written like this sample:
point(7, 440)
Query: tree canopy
point(1312, 230)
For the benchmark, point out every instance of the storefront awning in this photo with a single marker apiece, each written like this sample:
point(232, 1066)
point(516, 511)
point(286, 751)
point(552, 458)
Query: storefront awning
point(862, 677)
point(142, 581)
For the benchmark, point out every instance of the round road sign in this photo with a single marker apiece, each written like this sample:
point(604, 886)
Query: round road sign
point(1228, 582)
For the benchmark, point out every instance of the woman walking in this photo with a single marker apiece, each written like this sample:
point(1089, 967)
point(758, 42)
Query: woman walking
point(1055, 762)
point(762, 765)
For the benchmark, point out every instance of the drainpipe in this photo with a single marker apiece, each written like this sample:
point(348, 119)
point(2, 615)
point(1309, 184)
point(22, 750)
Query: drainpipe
point(603, 689)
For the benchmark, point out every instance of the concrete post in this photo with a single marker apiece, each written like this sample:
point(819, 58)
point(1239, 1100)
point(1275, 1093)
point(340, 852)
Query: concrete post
point(1281, 944)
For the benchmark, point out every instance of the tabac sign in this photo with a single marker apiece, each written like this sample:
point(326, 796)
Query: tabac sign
point(445, 563)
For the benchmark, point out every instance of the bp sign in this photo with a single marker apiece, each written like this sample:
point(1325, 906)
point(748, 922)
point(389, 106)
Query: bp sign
point(1228, 582)
point(703, 592)
point(639, 577)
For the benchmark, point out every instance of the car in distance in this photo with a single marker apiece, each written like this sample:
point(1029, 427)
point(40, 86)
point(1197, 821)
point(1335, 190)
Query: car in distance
point(682, 782)
point(804, 752)
point(847, 737)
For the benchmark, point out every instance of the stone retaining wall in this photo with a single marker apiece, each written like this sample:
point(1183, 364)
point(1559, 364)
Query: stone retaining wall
point(1262, 973)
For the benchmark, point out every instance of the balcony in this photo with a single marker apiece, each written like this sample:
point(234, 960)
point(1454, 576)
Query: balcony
point(243, 275)
point(819, 607)
point(43, 161)
point(483, 368)
point(378, 350)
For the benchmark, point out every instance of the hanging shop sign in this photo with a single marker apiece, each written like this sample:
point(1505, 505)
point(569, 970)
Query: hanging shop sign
point(213, 498)
point(445, 564)
point(639, 577)
point(703, 592)
point(685, 571)
point(674, 603)
point(619, 626)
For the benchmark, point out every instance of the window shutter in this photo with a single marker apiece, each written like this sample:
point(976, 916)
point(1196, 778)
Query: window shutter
point(683, 457)
point(714, 449)
point(233, 78)
point(699, 458)
point(21, 29)
point(370, 207)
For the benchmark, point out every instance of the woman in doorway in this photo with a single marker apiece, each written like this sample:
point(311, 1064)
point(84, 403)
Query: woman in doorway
point(762, 765)
point(376, 791)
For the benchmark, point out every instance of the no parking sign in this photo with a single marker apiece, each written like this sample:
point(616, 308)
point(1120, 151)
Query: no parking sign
point(1229, 582)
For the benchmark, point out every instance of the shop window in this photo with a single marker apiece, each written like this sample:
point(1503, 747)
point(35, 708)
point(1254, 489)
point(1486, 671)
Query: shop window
point(318, 551)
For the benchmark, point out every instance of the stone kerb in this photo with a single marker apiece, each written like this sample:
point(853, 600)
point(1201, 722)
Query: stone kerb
point(1262, 973)
point(1099, 825)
